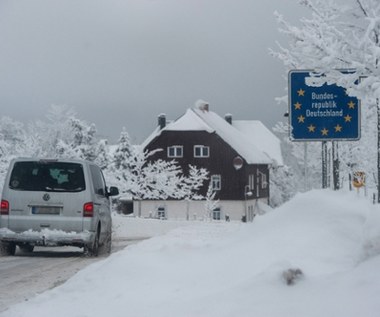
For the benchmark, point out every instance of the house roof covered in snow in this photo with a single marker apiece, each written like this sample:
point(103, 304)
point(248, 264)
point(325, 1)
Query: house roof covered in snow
point(250, 139)
point(262, 137)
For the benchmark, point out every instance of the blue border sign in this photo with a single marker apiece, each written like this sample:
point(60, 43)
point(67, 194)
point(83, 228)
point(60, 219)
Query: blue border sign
point(324, 113)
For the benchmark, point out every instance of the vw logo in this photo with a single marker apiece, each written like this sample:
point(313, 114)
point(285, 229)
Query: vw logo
point(46, 197)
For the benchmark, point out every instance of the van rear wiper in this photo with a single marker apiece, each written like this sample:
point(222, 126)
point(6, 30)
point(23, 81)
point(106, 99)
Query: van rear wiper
point(53, 189)
point(60, 189)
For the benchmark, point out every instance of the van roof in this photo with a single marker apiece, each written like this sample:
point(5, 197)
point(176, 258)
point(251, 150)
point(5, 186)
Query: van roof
point(46, 160)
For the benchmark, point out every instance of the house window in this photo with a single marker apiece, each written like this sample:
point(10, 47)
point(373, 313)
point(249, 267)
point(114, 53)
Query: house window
point(161, 212)
point(201, 151)
point(175, 151)
point(264, 182)
point(216, 214)
point(251, 181)
point(216, 182)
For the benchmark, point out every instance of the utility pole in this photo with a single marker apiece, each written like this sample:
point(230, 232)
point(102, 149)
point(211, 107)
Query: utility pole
point(335, 156)
point(378, 151)
point(324, 164)
point(305, 167)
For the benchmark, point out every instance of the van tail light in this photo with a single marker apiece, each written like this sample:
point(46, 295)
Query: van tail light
point(88, 209)
point(4, 207)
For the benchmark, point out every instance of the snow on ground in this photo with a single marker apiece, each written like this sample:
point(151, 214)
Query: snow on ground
point(128, 227)
point(234, 269)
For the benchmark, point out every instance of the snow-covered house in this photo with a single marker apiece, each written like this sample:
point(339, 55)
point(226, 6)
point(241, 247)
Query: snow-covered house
point(237, 154)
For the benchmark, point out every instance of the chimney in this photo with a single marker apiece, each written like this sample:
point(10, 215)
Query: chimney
point(205, 107)
point(228, 118)
point(202, 105)
point(162, 120)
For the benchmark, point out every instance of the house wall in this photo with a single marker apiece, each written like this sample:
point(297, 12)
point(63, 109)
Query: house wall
point(219, 162)
point(260, 187)
point(195, 210)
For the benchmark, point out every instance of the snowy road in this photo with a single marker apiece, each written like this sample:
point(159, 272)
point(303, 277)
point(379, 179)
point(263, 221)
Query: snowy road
point(24, 275)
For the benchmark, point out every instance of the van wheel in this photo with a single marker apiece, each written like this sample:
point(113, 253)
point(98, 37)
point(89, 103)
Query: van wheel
point(108, 243)
point(27, 248)
point(7, 248)
point(93, 250)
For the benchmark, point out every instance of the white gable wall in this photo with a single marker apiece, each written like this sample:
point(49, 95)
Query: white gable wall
point(195, 210)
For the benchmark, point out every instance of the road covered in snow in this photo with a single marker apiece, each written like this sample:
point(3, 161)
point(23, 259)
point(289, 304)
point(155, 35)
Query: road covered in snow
point(318, 255)
point(25, 275)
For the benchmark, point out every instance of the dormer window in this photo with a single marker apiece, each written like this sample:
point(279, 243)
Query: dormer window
point(201, 151)
point(175, 151)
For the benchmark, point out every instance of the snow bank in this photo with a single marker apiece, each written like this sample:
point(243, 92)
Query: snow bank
point(235, 269)
point(129, 227)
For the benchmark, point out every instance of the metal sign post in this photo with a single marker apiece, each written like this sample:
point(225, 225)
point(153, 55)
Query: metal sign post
point(324, 164)
point(335, 163)
point(378, 151)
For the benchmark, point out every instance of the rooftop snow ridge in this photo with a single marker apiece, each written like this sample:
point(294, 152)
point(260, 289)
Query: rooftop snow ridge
point(249, 138)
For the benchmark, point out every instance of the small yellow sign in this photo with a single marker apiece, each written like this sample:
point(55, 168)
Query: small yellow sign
point(358, 179)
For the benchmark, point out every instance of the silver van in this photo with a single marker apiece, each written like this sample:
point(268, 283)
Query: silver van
point(55, 203)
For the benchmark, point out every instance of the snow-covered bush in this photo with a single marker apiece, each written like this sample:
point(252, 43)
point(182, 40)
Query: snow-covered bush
point(135, 173)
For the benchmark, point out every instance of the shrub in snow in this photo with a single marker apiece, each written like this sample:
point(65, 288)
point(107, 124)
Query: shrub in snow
point(283, 185)
point(291, 276)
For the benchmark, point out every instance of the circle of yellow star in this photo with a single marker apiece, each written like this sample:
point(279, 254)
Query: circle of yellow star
point(324, 131)
point(301, 92)
point(347, 118)
point(301, 119)
point(351, 105)
point(311, 128)
point(338, 128)
point(297, 106)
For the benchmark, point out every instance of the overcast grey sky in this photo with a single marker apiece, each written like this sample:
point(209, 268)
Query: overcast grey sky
point(122, 62)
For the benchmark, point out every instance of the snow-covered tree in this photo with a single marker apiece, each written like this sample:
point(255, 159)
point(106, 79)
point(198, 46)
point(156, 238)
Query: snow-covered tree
point(303, 166)
point(123, 152)
point(137, 174)
point(210, 202)
point(283, 185)
point(50, 137)
point(12, 143)
point(192, 185)
point(103, 158)
point(338, 36)
point(62, 134)
point(193, 182)
point(144, 178)
point(83, 140)
point(5, 156)
point(341, 36)
point(12, 133)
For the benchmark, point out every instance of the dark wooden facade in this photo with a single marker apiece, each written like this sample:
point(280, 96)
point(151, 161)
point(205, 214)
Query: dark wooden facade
point(235, 183)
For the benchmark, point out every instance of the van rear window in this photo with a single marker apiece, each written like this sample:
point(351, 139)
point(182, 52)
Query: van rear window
point(47, 176)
